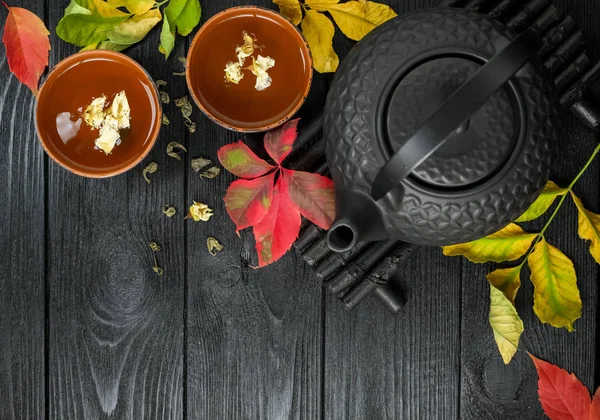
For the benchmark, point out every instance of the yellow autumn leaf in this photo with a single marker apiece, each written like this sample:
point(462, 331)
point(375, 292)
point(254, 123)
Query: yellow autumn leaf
point(135, 29)
point(507, 280)
point(318, 31)
point(589, 227)
point(321, 5)
point(556, 299)
point(507, 244)
point(290, 9)
point(543, 202)
point(505, 323)
point(102, 8)
point(356, 19)
point(138, 7)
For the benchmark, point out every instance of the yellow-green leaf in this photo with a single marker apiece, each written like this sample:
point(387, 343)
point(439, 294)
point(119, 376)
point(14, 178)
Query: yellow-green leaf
point(102, 8)
point(507, 244)
point(135, 29)
point(83, 27)
point(543, 202)
point(318, 31)
point(139, 7)
point(356, 19)
point(321, 5)
point(290, 9)
point(167, 38)
point(589, 227)
point(507, 280)
point(556, 299)
point(505, 323)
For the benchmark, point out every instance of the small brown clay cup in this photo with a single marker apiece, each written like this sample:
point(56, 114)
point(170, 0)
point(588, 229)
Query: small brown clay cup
point(240, 107)
point(71, 86)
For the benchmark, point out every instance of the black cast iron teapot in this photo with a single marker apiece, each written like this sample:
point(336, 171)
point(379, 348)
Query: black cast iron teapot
point(440, 129)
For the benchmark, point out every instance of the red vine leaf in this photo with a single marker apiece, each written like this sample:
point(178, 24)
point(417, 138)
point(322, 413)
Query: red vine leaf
point(279, 142)
point(248, 201)
point(278, 230)
point(562, 395)
point(313, 195)
point(27, 46)
point(238, 159)
point(595, 406)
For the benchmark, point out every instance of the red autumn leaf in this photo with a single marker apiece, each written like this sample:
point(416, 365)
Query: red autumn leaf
point(279, 142)
point(562, 395)
point(247, 201)
point(238, 159)
point(278, 230)
point(595, 407)
point(313, 195)
point(27, 46)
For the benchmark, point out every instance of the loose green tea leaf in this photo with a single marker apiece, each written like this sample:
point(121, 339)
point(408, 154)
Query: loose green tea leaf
point(159, 271)
point(184, 62)
point(161, 83)
point(164, 97)
point(214, 247)
point(185, 105)
point(211, 172)
point(166, 120)
point(154, 246)
point(191, 126)
point(169, 211)
point(149, 169)
point(199, 212)
point(200, 163)
point(171, 149)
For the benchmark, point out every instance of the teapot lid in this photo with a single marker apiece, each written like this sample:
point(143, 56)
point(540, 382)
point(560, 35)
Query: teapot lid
point(478, 149)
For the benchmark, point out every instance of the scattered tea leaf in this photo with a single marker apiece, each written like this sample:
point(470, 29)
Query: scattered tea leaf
point(166, 120)
point(169, 211)
point(149, 169)
point(171, 149)
point(154, 246)
point(182, 60)
point(200, 163)
point(214, 247)
point(164, 97)
point(161, 83)
point(158, 270)
point(185, 105)
point(199, 212)
point(211, 172)
point(191, 126)
point(179, 73)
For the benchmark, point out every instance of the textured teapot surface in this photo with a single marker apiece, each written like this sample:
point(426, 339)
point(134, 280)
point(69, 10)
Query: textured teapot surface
point(484, 177)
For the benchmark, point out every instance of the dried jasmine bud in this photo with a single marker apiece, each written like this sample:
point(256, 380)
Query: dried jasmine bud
point(161, 83)
point(166, 120)
point(200, 163)
point(214, 247)
point(164, 97)
point(159, 271)
point(199, 212)
point(211, 172)
point(169, 211)
point(172, 146)
point(150, 169)
point(154, 246)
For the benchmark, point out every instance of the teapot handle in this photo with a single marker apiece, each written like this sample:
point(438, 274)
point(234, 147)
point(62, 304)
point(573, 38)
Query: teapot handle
point(457, 109)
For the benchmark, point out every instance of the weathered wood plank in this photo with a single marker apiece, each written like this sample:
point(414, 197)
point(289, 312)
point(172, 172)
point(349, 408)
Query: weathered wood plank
point(115, 328)
point(254, 337)
point(22, 239)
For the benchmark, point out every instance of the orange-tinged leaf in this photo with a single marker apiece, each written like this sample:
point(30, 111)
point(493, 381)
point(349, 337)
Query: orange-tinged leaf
point(543, 202)
point(280, 141)
point(556, 298)
point(508, 244)
point(278, 230)
point(313, 195)
point(248, 201)
point(507, 280)
point(238, 159)
point(27, 46)
point(562, 395)
point(595, 407)
point(588, 227)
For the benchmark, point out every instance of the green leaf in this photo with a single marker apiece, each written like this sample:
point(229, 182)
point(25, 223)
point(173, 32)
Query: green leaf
point(543, 202)
point(506, 324)
point(556, 298)
point(81, 27)
point(167, 38)
point(183, 15)
point(507, 280)
point(508, 244)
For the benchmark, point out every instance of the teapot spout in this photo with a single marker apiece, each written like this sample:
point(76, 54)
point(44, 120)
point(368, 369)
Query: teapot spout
point(358, 219)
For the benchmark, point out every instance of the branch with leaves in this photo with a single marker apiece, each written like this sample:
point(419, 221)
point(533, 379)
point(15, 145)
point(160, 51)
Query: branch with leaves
point(355, 18)
point(556, 298)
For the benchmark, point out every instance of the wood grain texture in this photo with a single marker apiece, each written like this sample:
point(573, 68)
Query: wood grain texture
point(254, 336)
point(115, 327)
point(22, 240)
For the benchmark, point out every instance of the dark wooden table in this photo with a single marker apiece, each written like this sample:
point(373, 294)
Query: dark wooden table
point(88, 331)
